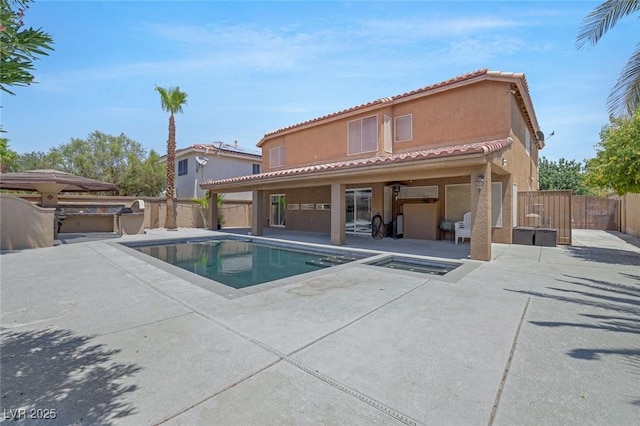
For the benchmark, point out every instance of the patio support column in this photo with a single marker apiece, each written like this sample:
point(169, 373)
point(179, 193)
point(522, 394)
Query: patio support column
point(481, 215)
point(257, 213)
point(213, 210)
point(338, 213)
point(49, 193)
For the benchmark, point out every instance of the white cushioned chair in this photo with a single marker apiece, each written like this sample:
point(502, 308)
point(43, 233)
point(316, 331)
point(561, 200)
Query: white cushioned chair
point(463, 228)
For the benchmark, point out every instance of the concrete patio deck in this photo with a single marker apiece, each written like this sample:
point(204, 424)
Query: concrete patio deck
point(537, 336)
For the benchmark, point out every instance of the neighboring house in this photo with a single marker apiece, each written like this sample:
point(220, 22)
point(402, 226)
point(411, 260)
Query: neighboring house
point(200, 163)
point(468, 144)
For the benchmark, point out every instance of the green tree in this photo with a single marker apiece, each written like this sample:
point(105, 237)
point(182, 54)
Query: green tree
point(625, 95)
point(115, 159)
point(100, 156)
point(171, 100)
point(145, 177)
point(565, 174)
point(7, 156)
point(32, 161)
point(617, 162)
point(19, 47)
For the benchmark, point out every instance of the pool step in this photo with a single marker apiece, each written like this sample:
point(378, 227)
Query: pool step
point(326, 262)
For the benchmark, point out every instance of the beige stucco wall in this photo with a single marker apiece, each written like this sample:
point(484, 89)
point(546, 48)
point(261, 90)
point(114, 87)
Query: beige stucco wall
point(88, 224)
point(523, 167)
point(24, 225)
point(237, 213)
point(309, 220)
point(473, 113)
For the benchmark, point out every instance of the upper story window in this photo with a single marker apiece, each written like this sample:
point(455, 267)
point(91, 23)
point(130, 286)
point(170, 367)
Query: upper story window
point(527, 141)
point(362, 135)
point(256, 169)
point(403, 127)
point(276, 156)
point(183, 167)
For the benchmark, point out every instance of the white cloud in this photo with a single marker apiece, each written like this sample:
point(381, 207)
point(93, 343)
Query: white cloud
point(433, 27)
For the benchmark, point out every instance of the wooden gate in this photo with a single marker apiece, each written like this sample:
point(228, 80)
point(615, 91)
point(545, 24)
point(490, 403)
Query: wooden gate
point(595, 213)
point(546, 209)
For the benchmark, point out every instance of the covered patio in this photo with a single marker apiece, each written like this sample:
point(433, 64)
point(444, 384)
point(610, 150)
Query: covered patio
point(438, 249)
point(316, 196)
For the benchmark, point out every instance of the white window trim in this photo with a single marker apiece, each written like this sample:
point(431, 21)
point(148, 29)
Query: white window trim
point(377, 135)
point(271, 156)
point(395, 128)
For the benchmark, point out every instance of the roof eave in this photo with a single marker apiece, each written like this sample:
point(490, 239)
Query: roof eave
point(374, 171)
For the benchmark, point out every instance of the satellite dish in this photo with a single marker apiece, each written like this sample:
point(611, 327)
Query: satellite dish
point(540, 135)
point(202, 160)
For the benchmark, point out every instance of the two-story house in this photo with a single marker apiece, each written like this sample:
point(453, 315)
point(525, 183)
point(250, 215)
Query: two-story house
point(205, 162)
point(468, 144)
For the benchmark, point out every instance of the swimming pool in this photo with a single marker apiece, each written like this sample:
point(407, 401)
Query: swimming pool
point(245, 263)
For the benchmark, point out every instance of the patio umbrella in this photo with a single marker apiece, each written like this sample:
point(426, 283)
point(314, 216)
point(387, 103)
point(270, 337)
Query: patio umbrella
point(51, 182)
point(34, 180)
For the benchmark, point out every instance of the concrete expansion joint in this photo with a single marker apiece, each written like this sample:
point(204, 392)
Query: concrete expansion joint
point(146, 324)
point(403, 418)
point(496, 402)
point(315, 373)
point(221, 391)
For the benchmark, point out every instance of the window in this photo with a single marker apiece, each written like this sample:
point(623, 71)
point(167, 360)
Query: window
point(256, 169)
point(527, 141)
point(496, 204)
point(457, 201)
point(183, 167)
point(403, 127)
point(276, 156)
point(362, 135)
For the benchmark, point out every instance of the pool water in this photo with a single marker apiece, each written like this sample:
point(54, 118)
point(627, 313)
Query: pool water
point(240, 264)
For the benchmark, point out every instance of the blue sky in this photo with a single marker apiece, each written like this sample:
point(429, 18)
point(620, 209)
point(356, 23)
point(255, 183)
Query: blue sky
point(253, 67)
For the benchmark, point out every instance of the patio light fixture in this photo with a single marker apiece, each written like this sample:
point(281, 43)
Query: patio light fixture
point(479, 182)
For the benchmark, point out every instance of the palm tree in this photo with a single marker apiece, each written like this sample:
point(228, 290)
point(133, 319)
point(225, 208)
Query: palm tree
point(625, 95)
point(172, 100)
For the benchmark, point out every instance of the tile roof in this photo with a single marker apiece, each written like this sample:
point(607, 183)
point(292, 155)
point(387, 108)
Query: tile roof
point(483, 148)
point(222, 147)
point(479, 74)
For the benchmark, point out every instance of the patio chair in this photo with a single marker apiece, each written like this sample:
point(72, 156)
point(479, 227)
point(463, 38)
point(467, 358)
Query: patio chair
point(463, 228)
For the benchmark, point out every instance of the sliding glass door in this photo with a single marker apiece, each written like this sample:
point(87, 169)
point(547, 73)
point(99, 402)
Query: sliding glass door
point(277, 210)
point(358, 202)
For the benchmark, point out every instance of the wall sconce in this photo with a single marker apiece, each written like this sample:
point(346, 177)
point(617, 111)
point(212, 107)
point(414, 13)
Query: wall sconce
point(396, 189)
point(504, 162)
point(479, 182)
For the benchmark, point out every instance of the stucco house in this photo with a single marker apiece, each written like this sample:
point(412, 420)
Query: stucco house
point(468, 144)
point(199, 163)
